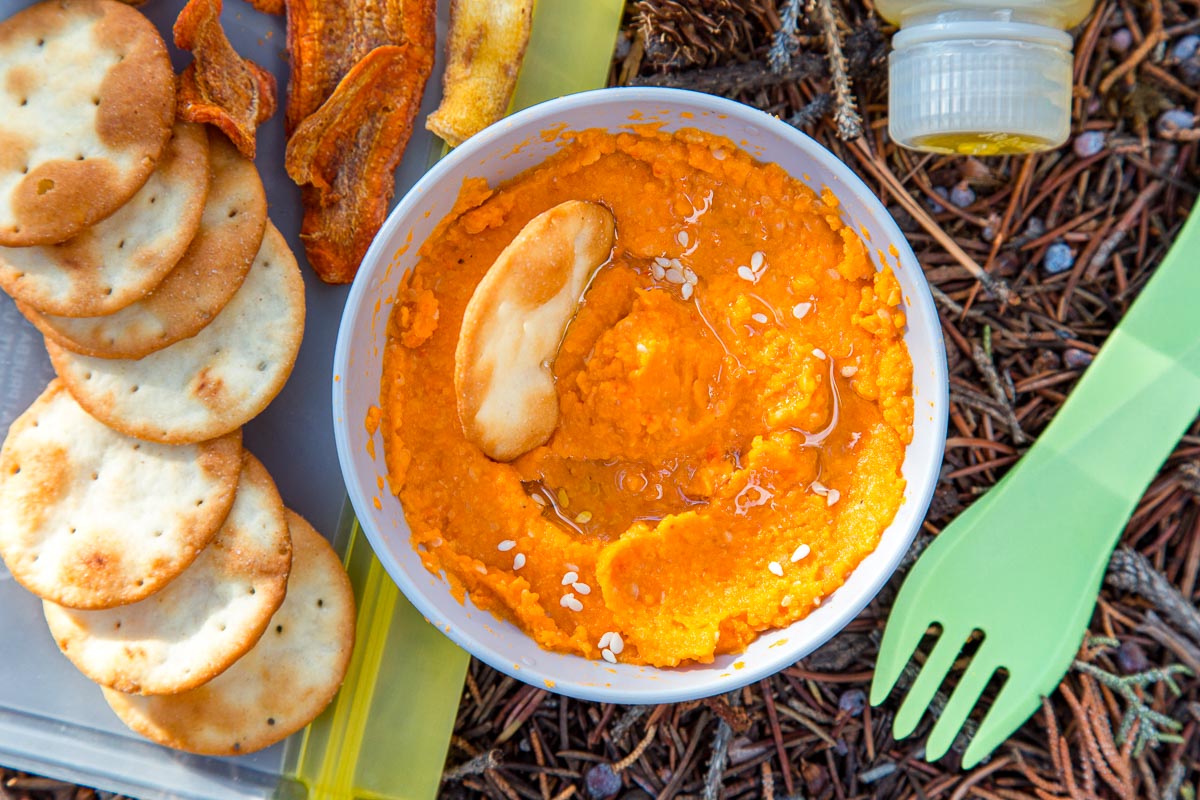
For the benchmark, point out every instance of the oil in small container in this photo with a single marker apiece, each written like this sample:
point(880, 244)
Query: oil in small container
point(981, 77)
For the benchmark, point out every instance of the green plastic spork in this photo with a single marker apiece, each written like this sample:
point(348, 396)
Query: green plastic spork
point(1023, 565)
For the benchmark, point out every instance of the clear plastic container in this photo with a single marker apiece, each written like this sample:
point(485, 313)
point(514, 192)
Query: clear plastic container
point(981, 78)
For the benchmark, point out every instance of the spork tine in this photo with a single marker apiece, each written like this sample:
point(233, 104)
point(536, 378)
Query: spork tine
point(1023, 565)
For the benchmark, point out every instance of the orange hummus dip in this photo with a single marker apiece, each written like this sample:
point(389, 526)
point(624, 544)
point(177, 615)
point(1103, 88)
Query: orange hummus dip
point(735, 399)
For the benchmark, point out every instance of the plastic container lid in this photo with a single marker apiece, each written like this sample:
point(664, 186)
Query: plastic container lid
point(980, 87)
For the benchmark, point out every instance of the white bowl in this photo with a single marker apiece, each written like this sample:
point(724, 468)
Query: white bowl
point(501, 152)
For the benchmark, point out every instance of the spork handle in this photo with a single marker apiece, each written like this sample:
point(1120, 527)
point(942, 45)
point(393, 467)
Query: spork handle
point(1137, 398)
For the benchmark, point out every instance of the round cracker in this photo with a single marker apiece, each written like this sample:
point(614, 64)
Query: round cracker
point(87, 101)
point(194, 292)
point(91, 518)
point(119, 260)
point(214, 382)
point(278, 687)
point(201, 622)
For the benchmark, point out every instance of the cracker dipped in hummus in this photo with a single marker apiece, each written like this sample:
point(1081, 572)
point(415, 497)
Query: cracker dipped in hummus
point(734, 400)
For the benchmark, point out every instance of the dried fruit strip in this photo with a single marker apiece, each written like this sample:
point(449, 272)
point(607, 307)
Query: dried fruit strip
point(344, 154)
point(487, 42)
point(220, 87)
point(326, 39)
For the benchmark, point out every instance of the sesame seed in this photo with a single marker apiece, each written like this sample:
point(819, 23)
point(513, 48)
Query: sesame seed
point(690, 275)
point(747, 274)
point(801, 551)
point(816, 601)
point(819, 353)
point(718, 154)
point(570, 566)
point(519, 561)
point(569, 601)
point(675, 275)
point(608, 656)
point(616, 644)
point(481, 569)
point(641, 348)
point(759, 318)
point(604, 640)
point(800, 309)
point(657, 271)
point(582, 588)
point(833, 496)
point(849, 371)
point(563, 500)
point(818, 488)
point(686, 291)
point(538, 499)
point(583, 517)
point(757, 259)
point(575, 605)
point(786, 601)
point(570, 578)
point(506, 545)
point(775, 568)
point(683, 238)
point(662, 262)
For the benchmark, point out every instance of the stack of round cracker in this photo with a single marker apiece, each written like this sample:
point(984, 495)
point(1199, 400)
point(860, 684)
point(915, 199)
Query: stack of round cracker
point(170, 571)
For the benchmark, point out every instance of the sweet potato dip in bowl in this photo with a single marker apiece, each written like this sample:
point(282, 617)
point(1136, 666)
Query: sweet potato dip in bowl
point(746, 408)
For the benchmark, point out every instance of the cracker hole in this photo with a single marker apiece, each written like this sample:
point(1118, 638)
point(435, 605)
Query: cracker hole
point(320, 603)
point(80, 157)
point(70, 531)
point(137, 446)
point(141, 582)
point(200, 502)
point(153, 200)
point(133, 389)
point(24, 101)
point(24, 171)
point(157, 534)
point(107, 291)
point(41, 42)
point(20, 276)
point(95, 101)
point(233, 213)
point(87, 377)
point(45, 185)
point(262, 366)
point(222, 627)
point(270, 720)
point(279, 629)
point(95, 476)
point(121, 245)
point(117, 626)
point(252, 590)
point(16, 471)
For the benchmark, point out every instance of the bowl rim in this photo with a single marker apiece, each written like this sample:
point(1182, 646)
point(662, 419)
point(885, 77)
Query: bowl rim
point(376, 259)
